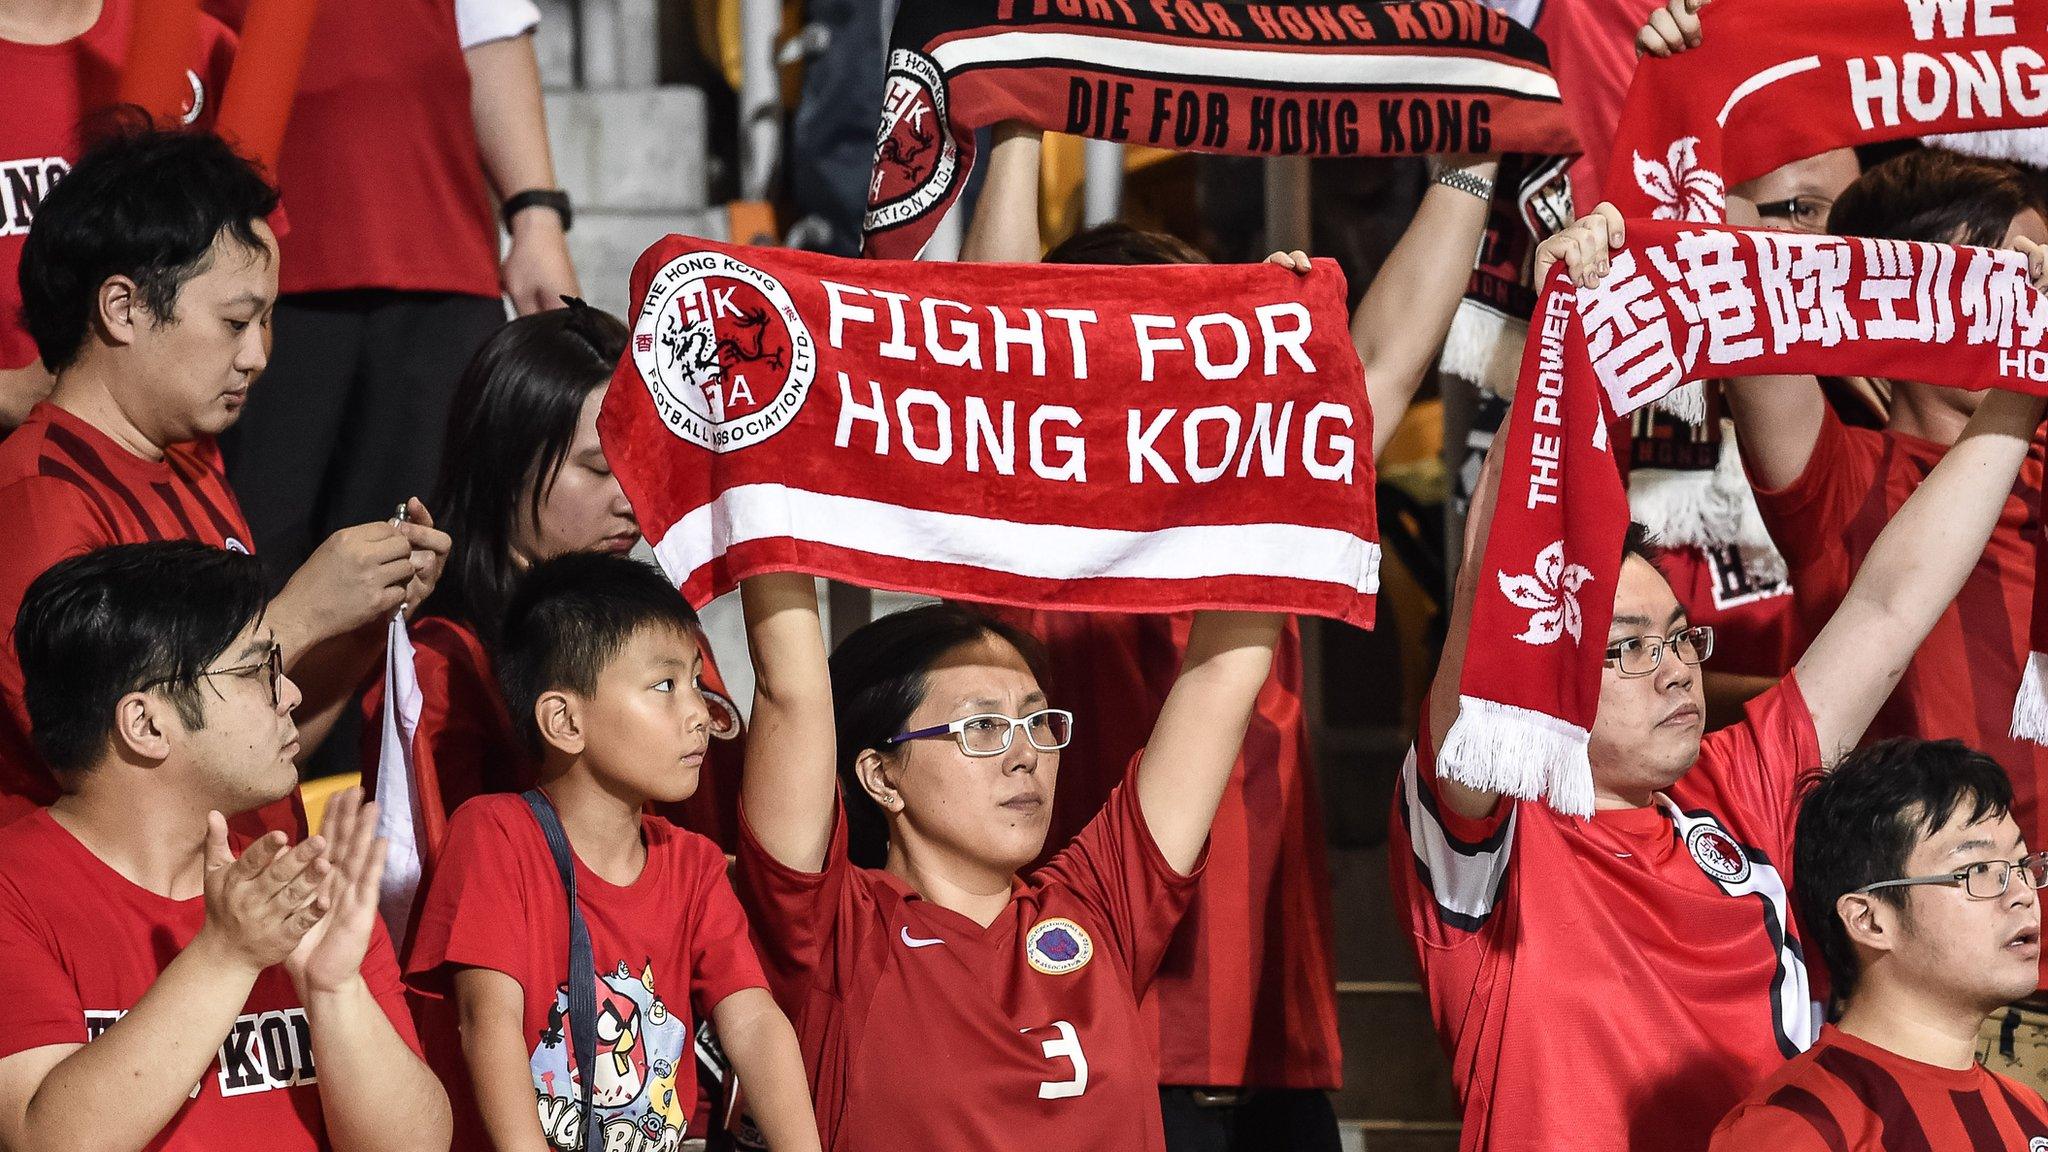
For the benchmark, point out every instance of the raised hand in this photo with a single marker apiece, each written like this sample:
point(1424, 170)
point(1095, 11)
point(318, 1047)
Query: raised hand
point(356, 576)
point(261, 906)
point(1585, 246)
point(1673, 28)
point(330, 954)
point(2037, 261)
point(429, 552)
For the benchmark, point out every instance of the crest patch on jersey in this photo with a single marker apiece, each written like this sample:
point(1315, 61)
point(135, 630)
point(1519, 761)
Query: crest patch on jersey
point(1057, 946)
point(1717, 854)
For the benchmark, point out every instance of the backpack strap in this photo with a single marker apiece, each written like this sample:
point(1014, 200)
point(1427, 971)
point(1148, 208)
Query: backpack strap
point(582, 981)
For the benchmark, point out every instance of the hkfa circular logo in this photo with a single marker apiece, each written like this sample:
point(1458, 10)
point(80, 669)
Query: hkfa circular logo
point(2038, 1144)
point(1058, 946)
point(723, 351)
point(1717, 854)
point(725, 715)
point(234, 545)
point(915, 157)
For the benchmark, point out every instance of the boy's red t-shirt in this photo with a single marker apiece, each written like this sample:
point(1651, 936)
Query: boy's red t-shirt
point(668, 948)
point(49, 91)
point(84, 943)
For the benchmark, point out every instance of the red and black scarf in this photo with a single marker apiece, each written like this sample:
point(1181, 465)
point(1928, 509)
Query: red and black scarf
point(1409, 78)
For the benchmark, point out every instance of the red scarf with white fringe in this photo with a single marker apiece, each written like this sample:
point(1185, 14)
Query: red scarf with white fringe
point(1690, 302)
point(1052, 436)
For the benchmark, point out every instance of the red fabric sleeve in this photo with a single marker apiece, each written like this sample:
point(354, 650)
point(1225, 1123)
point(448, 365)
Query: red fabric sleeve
point(1809, 517)
point(722, 961)
point(1759, 762)
point(795, 914)
point(1448, 870)
point(478, 891)
point(1115, 867)
point(1758, 1126)
point(41, 1006)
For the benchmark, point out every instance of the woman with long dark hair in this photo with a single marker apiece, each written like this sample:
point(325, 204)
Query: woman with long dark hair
point(943, 1000)
point(523, 479)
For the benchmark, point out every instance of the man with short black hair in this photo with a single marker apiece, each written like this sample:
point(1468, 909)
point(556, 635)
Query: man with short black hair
point(148, 279)
point(1916, 882)
point(162, 990)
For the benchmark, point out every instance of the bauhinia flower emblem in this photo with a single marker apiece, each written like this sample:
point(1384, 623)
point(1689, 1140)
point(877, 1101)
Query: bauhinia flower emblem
point(1550, 594)
point(1682, 189)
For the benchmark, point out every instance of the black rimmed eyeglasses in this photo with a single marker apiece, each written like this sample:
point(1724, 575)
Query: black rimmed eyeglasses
point(1640, 655)
point(272, 667)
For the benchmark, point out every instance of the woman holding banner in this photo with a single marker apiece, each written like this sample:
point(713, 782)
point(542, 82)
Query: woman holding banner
point(944, 1001)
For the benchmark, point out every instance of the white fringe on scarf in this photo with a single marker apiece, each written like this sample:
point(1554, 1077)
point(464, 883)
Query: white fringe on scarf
point(2026, 145)
point(1705, 509)
point(2030, 708)
point(1484, 345)
point(1518, 752)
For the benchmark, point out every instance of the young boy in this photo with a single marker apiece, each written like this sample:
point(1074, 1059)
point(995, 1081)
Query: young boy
point(599, 666)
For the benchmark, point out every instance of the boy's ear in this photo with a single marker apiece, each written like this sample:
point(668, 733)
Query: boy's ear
point(559, 715)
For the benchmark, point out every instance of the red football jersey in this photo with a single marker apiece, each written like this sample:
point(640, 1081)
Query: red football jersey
point(1847, 1095)
point(1620, 982)
point(1246, 996)
point(83, 944)
point(1962, 681)
point(922, 1029)
point(380, 164)
point(49, 91)
point(668, 948)
point(75, 489)
point(465, 745)
point(1755, 632)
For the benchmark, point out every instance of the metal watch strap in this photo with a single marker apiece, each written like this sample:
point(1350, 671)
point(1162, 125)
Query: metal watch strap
point(553, 198)
point(1466, 182)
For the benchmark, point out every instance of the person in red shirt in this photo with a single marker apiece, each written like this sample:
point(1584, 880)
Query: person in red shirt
point(599, 661)
point(942, 1000)
point(1244, 1008)
point(523, 480)
point(1916, 882)
point(413, 133)
point(60, 62)
point(148, 277)
point(171, 986)
point(1621, 982)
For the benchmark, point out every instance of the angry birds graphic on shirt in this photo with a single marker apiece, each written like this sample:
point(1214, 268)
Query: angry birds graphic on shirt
point(642, 1050)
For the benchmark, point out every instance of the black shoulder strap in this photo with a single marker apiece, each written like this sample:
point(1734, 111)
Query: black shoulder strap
point(582, 981)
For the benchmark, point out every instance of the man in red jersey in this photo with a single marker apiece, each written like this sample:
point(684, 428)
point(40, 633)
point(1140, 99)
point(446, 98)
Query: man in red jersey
point(1244, 1006)
point(163, 993)
point(1621, 982)
point(149, 277)
point(1916, 881)
point(60, 60)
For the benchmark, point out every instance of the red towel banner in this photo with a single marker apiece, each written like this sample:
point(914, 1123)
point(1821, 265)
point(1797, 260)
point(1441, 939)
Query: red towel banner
point(1056, 436)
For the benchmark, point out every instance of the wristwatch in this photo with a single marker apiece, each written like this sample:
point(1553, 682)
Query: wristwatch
point(1464, 180)
point(553, 198)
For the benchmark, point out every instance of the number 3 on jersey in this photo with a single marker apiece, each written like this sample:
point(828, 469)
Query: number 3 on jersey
point(1065, 1046)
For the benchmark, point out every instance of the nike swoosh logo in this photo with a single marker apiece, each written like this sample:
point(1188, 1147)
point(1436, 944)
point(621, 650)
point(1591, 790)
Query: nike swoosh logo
point(914, 942)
